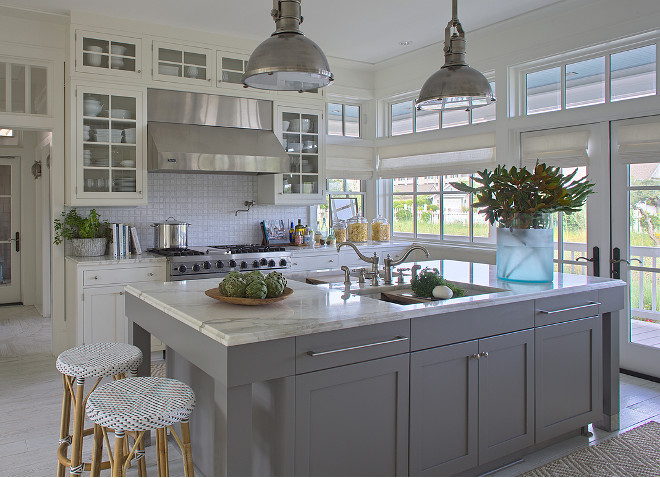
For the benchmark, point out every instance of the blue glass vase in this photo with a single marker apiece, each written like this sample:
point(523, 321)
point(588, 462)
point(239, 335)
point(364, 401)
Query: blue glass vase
point(525, 249)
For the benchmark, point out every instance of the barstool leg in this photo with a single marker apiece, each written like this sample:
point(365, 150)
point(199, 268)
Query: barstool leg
point(118, 460)
point(187, 450)
point(97, 451)
point(140, 455)
point(78, 417)
point(64, 425)
point(161, 444)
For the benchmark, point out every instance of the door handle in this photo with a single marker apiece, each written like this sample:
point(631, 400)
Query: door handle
point(594, 259)
point(616, 261)
point(16, 240)
point(625, 260)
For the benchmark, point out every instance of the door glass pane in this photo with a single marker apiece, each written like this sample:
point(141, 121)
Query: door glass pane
point(633, 73)
point(5, 224)
point(352, 120)
point(17, 88)
point(644, 197)
point(402, 209)
point(544, 91)
point(402, 118)
point(585, 83)
point(5, 263)
point(571, 235)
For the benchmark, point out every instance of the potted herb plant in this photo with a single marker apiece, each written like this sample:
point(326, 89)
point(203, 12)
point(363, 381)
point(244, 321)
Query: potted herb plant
point(88, 235)
point(520, 202)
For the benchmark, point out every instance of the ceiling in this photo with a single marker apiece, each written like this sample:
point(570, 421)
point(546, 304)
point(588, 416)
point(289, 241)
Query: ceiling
point(363, 30)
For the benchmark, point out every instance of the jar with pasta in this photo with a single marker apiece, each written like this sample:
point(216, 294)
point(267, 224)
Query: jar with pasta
point(380, 230)
point(339, 229)
point(358, 229)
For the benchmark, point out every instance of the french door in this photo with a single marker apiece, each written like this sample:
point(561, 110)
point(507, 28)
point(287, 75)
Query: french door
point(635, 173)
point(10, 220)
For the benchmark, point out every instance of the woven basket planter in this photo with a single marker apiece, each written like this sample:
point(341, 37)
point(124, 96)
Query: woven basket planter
point(89, 247)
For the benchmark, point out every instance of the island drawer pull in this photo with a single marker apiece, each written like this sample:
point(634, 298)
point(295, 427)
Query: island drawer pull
point(591, 302)
point(384, 342)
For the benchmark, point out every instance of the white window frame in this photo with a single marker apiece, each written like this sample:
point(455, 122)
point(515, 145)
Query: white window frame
point(343, 117)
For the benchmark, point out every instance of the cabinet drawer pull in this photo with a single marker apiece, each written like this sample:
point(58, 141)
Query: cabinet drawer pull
point(384, 342)
point(96, 277)
point(331, 260)
point(568, 308)
point(150, 274)
point(121, 293)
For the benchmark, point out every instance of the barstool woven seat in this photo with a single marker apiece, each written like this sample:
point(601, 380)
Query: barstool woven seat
point(90, 360)
point(141, 404)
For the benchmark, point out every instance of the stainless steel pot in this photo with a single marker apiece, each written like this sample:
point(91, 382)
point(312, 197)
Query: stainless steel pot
point(170, 234)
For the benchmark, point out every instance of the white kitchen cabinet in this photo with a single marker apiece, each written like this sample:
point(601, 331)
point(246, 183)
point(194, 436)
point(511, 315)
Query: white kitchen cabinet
point(302, 133)
point(95, 296)
point(183, 64)
point(109, 161)
point(230, 69)
point(311, 260)
point(107, 54)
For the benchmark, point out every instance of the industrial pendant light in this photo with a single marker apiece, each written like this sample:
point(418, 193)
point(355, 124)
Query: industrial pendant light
point(288, 60)
point(455, 85)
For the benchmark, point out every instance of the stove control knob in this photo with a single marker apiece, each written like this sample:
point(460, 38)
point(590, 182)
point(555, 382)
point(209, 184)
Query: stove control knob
point(232, 263)
point(283, 262)
point(271, 263)
point(182, 268)
point(219, 264)
point(207, 265)
point(243, 265)
point(255, 264)
point(196, 267)
point(263, 262)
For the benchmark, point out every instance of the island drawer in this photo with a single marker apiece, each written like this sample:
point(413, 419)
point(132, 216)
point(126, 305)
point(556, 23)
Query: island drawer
point(123, 275)
point(310, 262)
point(562, 308)
point(346, 346)
point(464, 325)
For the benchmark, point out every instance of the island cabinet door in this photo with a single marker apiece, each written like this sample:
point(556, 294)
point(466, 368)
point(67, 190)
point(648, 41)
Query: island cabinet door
point(568, 376)
point(353, 420)
point(506, 394)
point(444, 384)
point(103, 314)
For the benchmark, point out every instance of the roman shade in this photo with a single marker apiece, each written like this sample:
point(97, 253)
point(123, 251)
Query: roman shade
point(637, 140)
point(349, 162)
point(462, 154)
point(563, 147)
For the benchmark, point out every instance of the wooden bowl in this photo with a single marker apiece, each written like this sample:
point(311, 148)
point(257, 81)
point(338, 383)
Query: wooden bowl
point(215, 294)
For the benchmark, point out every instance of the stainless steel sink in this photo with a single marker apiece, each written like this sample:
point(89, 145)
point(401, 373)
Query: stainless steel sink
point(402, 293)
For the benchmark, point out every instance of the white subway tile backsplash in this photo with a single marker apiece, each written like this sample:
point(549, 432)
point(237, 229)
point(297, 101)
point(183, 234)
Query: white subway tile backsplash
point(208, 202)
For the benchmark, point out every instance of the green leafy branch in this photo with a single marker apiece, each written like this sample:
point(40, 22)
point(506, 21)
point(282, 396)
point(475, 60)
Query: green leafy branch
point(74, 226)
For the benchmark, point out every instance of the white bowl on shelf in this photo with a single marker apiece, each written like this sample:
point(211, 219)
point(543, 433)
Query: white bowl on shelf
point(118, 50)
point(92, 107)
point(305, 125)
point(127, 163)
point(192, 71)
point(117, 62)
point(120, 113)
point(168, 70)
point(285, 125)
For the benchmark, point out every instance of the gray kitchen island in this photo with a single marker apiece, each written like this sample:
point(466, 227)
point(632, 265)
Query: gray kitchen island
point(331, 382)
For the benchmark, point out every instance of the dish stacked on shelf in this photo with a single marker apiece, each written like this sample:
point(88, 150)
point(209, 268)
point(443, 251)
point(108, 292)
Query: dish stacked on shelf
point(102, 135)
point(126, 185)
point(129, 135)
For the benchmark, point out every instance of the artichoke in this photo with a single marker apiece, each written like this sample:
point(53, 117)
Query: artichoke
point(256, 289)
point(253, 275)
point(275, 283)
point(233, 287)
point(235, 274)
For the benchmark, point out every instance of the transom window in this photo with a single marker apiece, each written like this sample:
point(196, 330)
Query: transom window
point(609, 78)
point(405, 119)
point(431, 208)
point(344, 120)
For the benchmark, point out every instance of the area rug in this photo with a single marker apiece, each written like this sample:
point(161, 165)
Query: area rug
point(633, 453)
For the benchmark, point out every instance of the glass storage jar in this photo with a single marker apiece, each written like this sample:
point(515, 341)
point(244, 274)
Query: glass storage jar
point(380, 230)
point(339, 229)
point(358, 229)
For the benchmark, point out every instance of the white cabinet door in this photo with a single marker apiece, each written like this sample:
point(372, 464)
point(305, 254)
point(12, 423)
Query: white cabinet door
point(108, 54)
point(230, 69)
point(183, 64)
point(103, 314)
point(302, 133)
point(110, 151)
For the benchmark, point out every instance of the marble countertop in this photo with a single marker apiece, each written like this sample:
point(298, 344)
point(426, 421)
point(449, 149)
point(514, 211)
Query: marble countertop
point(145, 257)
point(321, 308)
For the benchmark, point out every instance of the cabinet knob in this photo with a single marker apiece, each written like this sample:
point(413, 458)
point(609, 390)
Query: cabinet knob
point(483, 354)
point(121, 293)
point(209, 79)
point(474, 356)
point(96, 277)
point(139, 71)
point(150, 274)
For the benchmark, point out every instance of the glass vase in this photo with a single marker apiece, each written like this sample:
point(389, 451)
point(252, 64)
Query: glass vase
point(525, 249)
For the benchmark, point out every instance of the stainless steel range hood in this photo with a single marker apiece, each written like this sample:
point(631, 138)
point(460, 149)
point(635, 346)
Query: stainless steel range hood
point(202, 133)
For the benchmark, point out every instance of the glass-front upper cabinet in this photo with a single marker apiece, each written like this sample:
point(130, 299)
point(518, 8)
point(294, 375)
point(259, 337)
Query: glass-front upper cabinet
point(108, 54)
point(301, 131)
point(231, 67)
point(183, 64)
point(110, 166)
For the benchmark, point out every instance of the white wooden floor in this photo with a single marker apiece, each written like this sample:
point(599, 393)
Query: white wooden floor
point(645, 333)
point(31, 394)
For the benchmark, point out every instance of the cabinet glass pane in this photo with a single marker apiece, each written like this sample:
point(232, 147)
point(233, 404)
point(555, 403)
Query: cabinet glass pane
point(121, 63)
point(232, 77)
point(291, 142)
point(38, 90)
point(195, 72)
point(633, 73)
point(309, 144)
point(585, 83)
point(3, 86)
point(352, 120)
point(96, 45)
point(123, 108)
point(310, 164)
point(98, 60)
point(165, 54)
point(544, 91)
point(291, 184)
point(96, 180)
point(198, 59)
point(95, 156)
point(123, 49)
point(168, 69)
point(232, 64)
point(335, 119)
point(402, 118)
point(123, 180)
point(310, 184)
point(95, 105)
point(123, 156)
point(309, 124)
point(291, 122)
point(294, 161)
point(17, 88)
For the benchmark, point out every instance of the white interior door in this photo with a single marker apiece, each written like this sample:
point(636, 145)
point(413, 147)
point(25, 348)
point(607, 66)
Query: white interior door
point(10, 220)
point(636, 235)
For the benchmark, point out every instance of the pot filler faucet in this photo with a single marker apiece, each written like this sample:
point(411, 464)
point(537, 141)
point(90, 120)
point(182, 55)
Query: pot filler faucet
point(373, 275)
point(388, 263)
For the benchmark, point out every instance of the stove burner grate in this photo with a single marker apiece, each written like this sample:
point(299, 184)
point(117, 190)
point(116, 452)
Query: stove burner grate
point(249, 248)
point(175, 252)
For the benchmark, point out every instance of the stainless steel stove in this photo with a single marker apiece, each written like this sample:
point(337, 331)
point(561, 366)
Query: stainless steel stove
point(216, 261)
